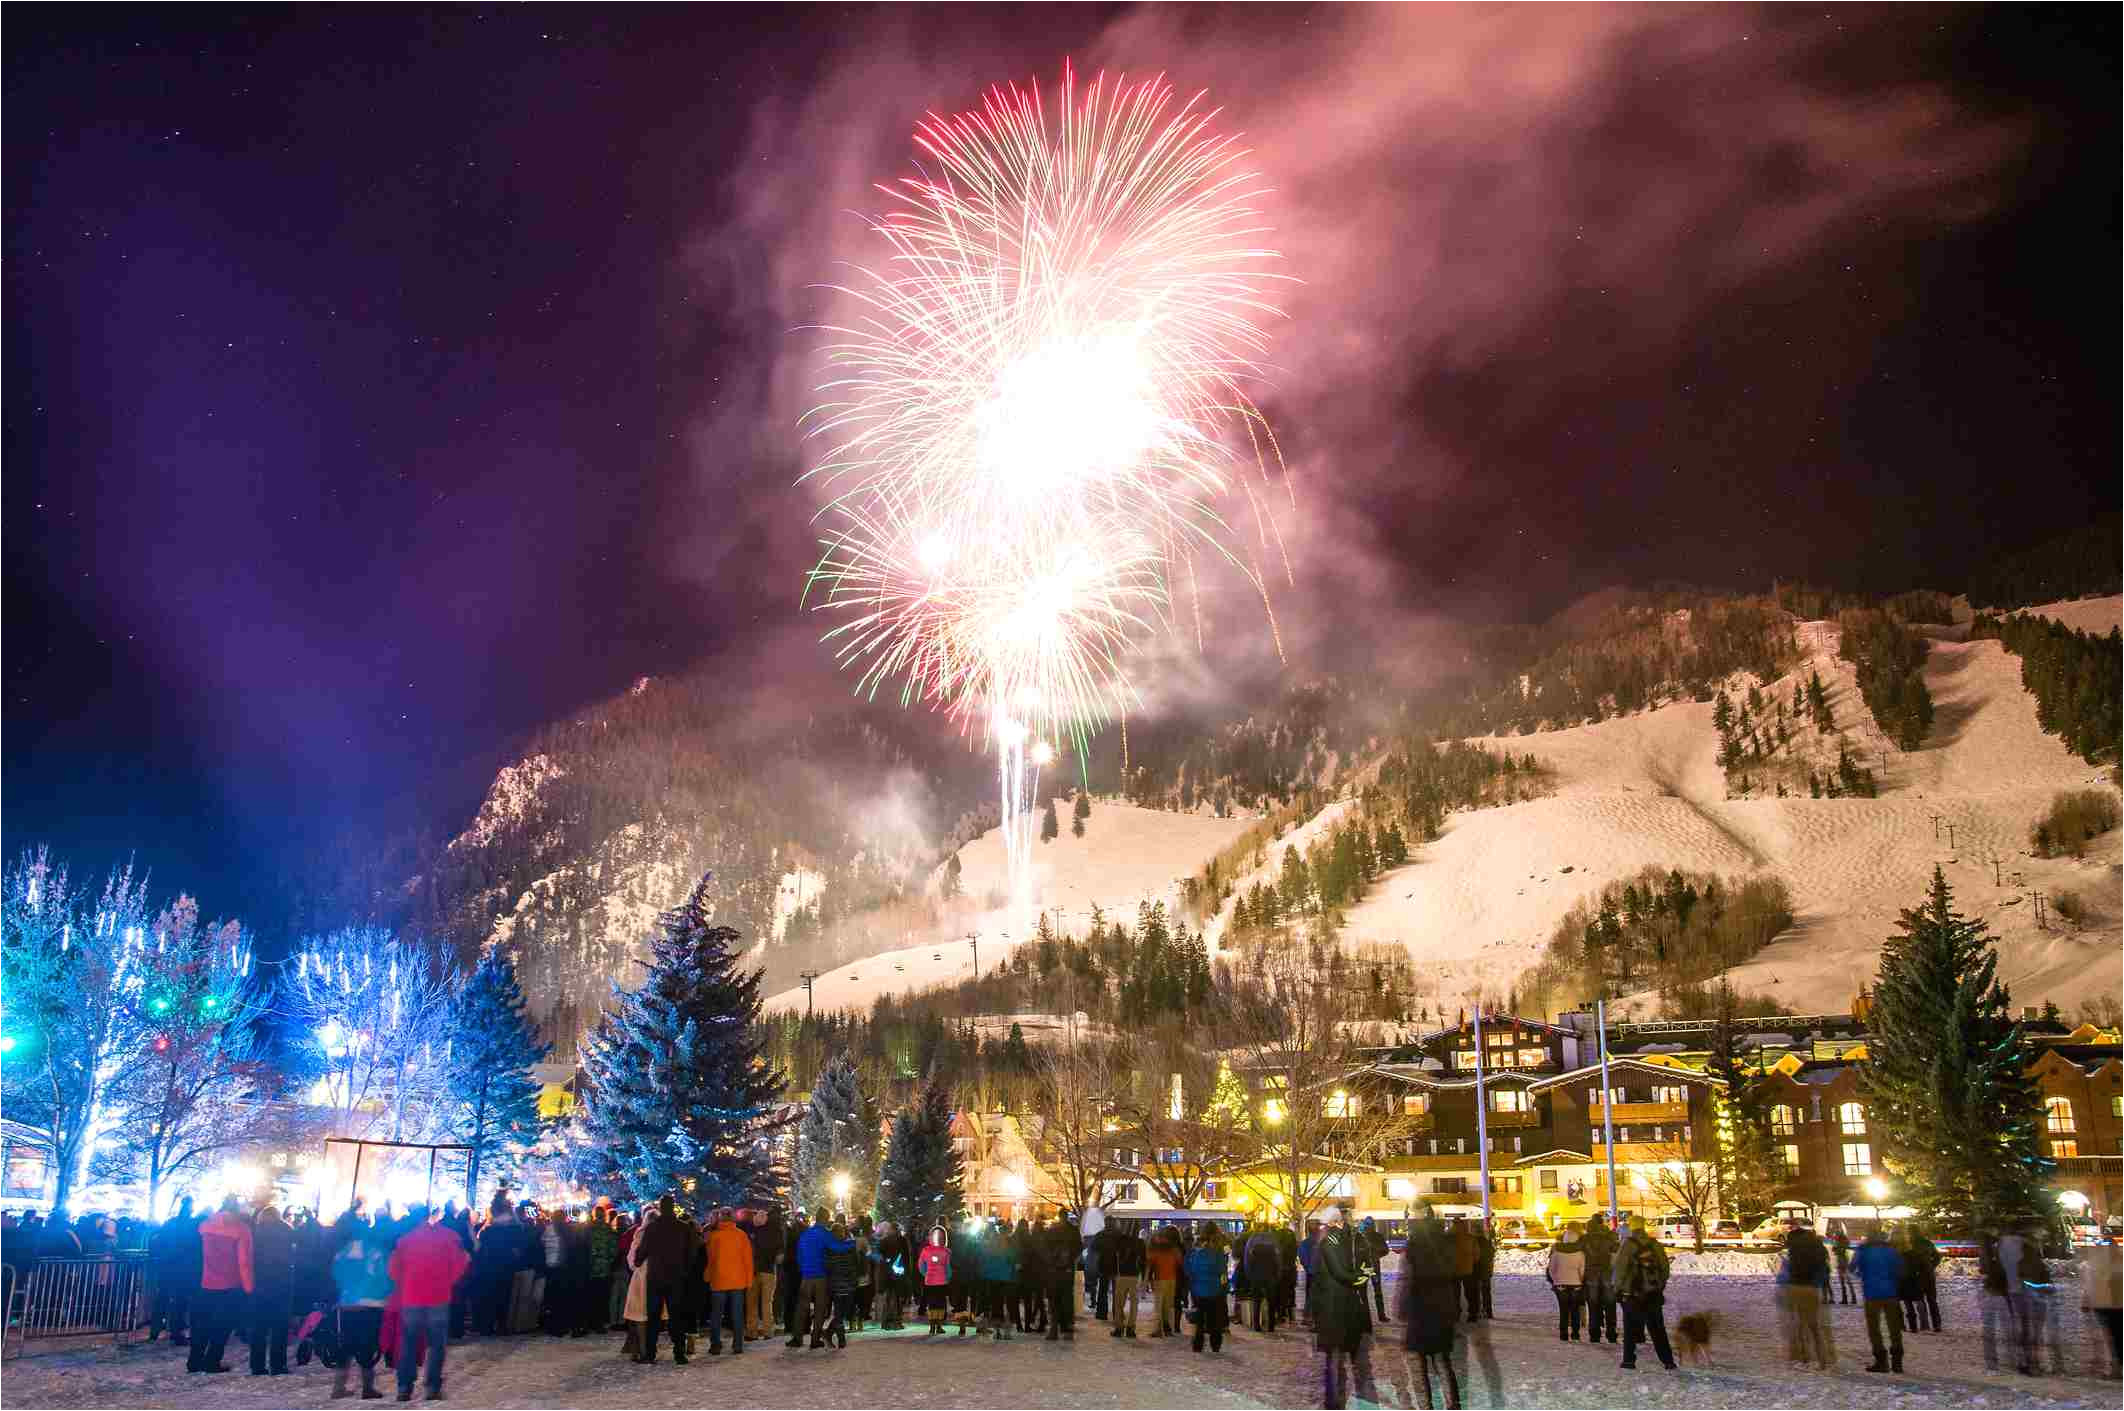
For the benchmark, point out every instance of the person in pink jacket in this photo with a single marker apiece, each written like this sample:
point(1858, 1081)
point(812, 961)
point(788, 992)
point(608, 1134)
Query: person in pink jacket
point(425, 1267)
point(225, 1281)
point(934, 1262)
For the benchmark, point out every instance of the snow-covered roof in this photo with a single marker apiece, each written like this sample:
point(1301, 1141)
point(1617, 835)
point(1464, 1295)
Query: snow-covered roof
point(1629, 1066)
point(1560, 1154)
point(1421, 1075)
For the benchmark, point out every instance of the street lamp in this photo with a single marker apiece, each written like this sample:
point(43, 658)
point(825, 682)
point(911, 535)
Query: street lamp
point(841, 1184)
point(1876, 1191)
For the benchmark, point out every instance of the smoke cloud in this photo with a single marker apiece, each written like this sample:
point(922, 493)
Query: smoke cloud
point(1499, 219)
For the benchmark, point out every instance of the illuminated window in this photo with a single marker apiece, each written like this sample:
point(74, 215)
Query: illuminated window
point(1338, 1187)
point(1465, 1058)
point(1505, 1185)
point(1790, 1155)
point(1449, 1185)
point(2116, 1106)
point(1276, 1081)
point(2064, 1146)
point(1593, 1096)
point(1858, 1159)
point(2057, 1114)
point(1511, 1100)
point(1416, 1105)
point(1339, 1104)
point(1852, 1117)
point(1533, 1057)
point(1782, 1120)
point(1674, 1094)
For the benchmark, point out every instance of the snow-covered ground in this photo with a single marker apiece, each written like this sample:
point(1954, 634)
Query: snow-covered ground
point(1476, 907)
point(1127, 855)
point(2096, 615)
point(1517, 1361)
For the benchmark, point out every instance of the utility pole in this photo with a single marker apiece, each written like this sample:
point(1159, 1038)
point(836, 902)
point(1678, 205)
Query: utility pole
point(807, 976)
point(1950, 837)
point(1996, 881)
point(1607, 1105)
point(1482, 1119)
point(1935, 827)
point(975, 941)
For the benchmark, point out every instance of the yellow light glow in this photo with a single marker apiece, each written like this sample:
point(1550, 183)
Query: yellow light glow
point(841, 1185)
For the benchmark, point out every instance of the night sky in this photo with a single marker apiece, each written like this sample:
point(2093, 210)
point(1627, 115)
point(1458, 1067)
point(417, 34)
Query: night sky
point(381, 383)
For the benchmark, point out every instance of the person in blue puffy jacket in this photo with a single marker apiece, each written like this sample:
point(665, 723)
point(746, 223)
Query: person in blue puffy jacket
point(1207, 1266)
point(1880, 1271)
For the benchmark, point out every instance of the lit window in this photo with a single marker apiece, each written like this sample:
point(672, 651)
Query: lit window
point(1782, 1120)
point(1852, 1117)
point(1416, 1105)
point(1858, 1159)
point(2057, 1114)
point(2064, 1146)
point(1339, 1104)
point(1674, 1094)
point(1790, 1154)
point(1511, 1100)
point(1505, 1185)
point(1533, 1057)
point(1338, 1187)
point(1593, 1096)
point(1464, 1058)
point(2116, 1106)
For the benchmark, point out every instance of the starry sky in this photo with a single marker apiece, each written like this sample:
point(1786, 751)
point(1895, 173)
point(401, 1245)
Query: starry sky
point(382, 382)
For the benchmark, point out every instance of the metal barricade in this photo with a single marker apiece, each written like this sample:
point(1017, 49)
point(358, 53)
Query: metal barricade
point(78, 1298)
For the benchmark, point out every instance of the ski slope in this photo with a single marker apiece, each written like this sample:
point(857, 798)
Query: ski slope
point(1127, 855)
point(1477, 906)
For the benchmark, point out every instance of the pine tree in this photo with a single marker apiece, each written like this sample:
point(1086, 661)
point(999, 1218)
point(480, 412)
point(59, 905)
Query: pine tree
point(1722, 715)
point(922, 1182)
point(1078, 814)
point(492, 1095)
point(952, 871)
point(679, 1090)
point(1050, 826)
point(838, 1136)
point(1947, 1090)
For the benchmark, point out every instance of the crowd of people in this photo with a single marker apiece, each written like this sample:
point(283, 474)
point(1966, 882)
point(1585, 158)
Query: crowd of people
point(397, 1287)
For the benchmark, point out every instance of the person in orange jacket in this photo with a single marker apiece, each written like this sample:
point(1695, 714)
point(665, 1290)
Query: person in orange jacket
point(729, 1275)
point(225, 1282)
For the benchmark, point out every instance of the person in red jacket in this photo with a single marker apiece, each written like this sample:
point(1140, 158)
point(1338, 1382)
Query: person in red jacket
point(225, 1281)
point(425, 1268)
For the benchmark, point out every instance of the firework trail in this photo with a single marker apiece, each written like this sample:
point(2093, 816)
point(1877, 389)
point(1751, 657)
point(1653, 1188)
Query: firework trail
point(1033, 418)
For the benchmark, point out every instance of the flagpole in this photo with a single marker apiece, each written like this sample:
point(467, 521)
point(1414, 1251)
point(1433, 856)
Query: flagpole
point(1607, 1105)
point(1482, 1119)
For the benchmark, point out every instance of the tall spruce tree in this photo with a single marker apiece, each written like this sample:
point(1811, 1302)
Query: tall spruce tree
point(922, 1183)
point(679, 1090)
point(1947, 1089)
point(838, 1135)
point(1079, 813)
point(492, 1094)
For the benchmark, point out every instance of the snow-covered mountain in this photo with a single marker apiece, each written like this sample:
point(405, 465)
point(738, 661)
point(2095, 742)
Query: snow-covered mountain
point(826, 835)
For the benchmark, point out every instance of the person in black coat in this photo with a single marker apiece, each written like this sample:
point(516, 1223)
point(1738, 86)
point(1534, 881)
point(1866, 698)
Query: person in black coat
point(1430, 1311)
point(272, 1292)
point(1063, 1247)
point(1342, 1323)
point(173, 1259)
point(1033, 1280)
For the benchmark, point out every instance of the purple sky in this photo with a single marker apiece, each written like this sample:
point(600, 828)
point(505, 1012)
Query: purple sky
point(381, 383)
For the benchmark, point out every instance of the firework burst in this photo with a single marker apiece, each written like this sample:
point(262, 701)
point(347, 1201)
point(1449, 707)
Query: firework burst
point(1034, 420)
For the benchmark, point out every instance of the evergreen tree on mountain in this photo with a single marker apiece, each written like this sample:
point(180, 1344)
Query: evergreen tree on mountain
point(493, 1094)
point(922, 1182)
point(1079, 813)
point(1960, 1119)
point(837, 1136)
point(679, 1093)
point(952, 872)
point(1050, 826)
